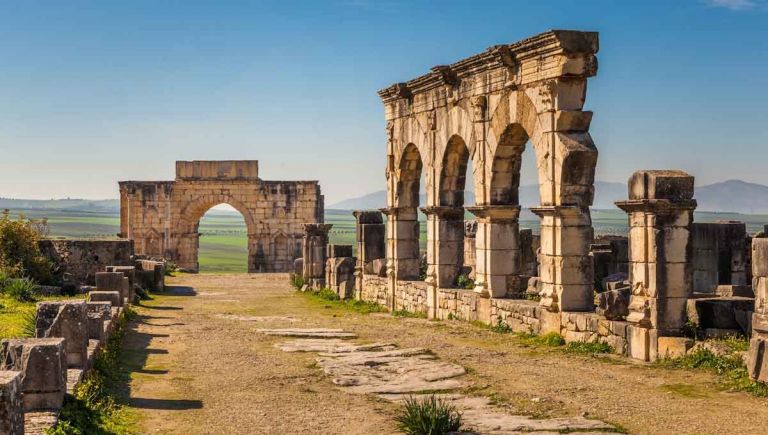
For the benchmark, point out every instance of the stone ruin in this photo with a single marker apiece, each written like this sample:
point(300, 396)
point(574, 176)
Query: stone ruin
point(668, 273)
point(37, 373)
point(162, 217)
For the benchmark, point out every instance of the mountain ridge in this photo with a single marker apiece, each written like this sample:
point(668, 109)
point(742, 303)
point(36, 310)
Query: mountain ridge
point(735, 196)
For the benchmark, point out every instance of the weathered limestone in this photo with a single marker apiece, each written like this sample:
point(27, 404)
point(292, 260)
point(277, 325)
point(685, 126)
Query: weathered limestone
point(497, 243)
point(81, 259)
point(150, 275)
point(130, 273)
point(68, 320)
point(371, 243)
point(340, 270)
point(660, 209)
point(114, 281)
point(43, 366)
point(487, 108)
point(98, 313)
point(162, 217)
point(757, 359)
point(11, 410)
point(314, 253)
point(113, 297)
point(719, 255)
point(470, 247)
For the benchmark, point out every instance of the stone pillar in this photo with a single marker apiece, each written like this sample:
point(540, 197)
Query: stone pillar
point(113, 281)
point(445, 244)
point(757, 359)
point(130, 273)
point(497, 249)
point(313, 252)
point(370, 233)
point(565, 266)
point(470, 246)
point(68, 320)
point(402, 243)
point(660, 209)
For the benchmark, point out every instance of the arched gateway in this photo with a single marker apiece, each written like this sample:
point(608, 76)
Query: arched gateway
point(162, 217)
point(485, 109)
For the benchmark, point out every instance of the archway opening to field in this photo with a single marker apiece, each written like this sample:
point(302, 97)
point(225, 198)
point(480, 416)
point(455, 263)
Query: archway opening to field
point(222, 241)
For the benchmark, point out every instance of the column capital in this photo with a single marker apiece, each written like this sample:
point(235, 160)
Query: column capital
point(495, 212)
point(316, 229)
point(444, 212)
point(660, 206)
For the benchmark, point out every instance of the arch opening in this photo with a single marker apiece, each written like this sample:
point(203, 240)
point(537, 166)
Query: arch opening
point(222, 241)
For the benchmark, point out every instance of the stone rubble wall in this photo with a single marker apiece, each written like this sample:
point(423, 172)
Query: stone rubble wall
point(82, 258)
point(376, 289)
point(411, 296)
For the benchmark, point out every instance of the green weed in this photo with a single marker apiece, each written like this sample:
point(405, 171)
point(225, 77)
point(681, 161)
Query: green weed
point(428, 416)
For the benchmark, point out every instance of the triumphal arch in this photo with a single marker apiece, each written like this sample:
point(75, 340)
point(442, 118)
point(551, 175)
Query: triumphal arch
point(486, 108)
point(162, 217)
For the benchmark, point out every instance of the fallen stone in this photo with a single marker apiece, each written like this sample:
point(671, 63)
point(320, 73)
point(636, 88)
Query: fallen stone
point(11, 410)
point(309, 333)
point(614, 305)
point(257, 318)
point(68, 320)
point(332, 346)
point(113, 297)
point(43, 366)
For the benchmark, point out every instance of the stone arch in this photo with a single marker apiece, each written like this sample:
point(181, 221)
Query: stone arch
point(505, 166)
point(409, 171)
point(453, 172)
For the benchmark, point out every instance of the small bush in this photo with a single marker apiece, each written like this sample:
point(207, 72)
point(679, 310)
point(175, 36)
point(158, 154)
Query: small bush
point(171, 268)
point(428, 416)
point(297, 281)
point(501, 326)
point(465, 282)
point(19, 250)
point(20, 289)
point(327, 294)
point(587, 348)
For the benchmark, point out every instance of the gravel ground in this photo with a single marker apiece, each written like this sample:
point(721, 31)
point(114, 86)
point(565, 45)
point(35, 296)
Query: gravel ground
point(200, 367)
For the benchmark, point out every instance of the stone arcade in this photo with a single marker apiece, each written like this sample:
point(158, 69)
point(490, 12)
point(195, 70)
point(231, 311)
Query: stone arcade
point(162, 217)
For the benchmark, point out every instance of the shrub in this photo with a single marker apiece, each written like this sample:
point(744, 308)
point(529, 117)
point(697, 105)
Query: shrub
point(501, 326)
point(297, 281)
point(29, 324)
point(171, 268)
point(552, 339)
point(21, 289)
point(465, 282)
point(428, 416)
point(327, 294)
point(19, 250)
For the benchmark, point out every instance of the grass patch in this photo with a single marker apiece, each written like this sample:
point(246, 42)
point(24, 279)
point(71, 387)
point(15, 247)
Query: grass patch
point(410, 314)
point(685, 390)
point(552, 339)
point(331, 300)
point(93, 408)
point(428, 416)
point(730, 369)
point(587, 348)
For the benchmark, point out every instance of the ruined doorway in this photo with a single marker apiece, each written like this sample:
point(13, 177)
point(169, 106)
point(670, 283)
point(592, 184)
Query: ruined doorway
point(222, 241)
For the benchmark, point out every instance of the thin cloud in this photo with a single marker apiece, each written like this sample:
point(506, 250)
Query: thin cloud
point(734, 5)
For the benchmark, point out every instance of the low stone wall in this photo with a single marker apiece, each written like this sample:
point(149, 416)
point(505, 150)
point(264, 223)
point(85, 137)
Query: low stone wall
point(376, 289)
point(83, 258)
point(411, 296)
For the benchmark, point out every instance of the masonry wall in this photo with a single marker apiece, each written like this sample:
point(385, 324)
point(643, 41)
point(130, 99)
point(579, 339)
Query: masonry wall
point(83, 258)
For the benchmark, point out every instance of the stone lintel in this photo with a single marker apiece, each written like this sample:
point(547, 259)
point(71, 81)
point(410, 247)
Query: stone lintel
point(444, 212)
point(558, 210)
point(568, 43)
point(316, 229)
point(368, 216)
point(659, 206)
point(495, 212)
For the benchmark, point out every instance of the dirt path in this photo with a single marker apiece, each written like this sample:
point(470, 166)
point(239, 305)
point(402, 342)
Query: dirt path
point(200, 367)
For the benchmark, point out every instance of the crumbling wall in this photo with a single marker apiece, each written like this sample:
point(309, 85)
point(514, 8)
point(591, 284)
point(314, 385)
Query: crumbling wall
point(81, 259)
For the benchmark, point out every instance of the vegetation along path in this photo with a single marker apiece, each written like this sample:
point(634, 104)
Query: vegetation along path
point(201, 365)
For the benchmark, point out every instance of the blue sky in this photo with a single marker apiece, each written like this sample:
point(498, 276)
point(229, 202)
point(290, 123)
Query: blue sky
point(92, 92)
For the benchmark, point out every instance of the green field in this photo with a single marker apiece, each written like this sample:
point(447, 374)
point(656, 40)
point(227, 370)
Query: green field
point(223, 242)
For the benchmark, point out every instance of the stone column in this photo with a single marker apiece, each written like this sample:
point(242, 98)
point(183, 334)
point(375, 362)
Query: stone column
point(660, 209)
point(497, 248)
point(470, 256)
point(757, 359)
point(370, 233)
point(565, 269)
point(313, 252)
point(402, 243)
point(445, 245)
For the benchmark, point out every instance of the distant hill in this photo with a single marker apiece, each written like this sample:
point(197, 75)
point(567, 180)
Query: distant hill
point(728, 196)
point(102, 205)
